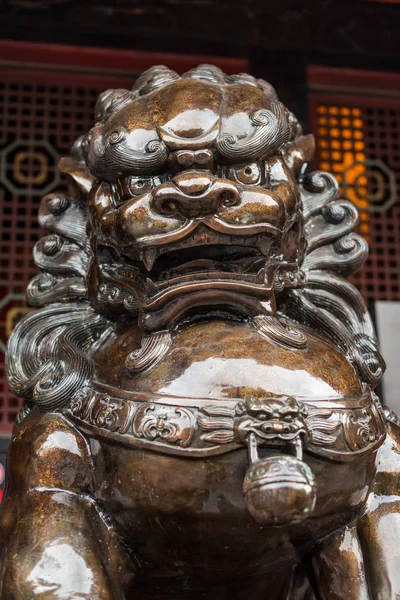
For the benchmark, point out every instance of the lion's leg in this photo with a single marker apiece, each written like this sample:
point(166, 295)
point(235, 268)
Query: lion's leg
point(362, 561)
point(339, 567)
point(55, 540)
point(380, 537)
point(379, 527)
point(59, 547)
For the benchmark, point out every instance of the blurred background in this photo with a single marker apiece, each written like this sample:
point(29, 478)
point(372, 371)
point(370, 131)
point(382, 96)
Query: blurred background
point(334, 63)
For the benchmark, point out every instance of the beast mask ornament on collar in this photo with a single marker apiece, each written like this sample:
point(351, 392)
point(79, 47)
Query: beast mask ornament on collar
point(189, 207)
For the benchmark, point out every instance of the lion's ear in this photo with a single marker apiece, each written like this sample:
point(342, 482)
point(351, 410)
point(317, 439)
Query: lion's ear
point(299, 152)
point(79, 179)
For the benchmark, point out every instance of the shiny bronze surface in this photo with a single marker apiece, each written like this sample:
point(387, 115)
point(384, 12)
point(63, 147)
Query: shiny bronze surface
point(199, 376)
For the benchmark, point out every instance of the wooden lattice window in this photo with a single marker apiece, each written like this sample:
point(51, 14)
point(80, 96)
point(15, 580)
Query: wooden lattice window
point(43, 109)
point(356, 120)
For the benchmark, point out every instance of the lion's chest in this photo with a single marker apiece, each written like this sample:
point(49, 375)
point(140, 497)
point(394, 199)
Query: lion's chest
point(179, 513)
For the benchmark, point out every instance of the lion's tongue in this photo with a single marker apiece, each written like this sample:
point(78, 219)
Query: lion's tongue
point(200, 264)
point(207, 264)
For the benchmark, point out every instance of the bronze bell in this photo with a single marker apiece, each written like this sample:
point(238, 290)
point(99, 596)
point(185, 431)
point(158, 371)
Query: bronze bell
point(278, 489)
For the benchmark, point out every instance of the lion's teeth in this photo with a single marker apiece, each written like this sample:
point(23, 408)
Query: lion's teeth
point(151, 288)
point(260, 277)
point(148, 256)
point(264, 246)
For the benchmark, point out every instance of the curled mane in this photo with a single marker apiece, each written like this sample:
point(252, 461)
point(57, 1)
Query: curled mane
point(328, 303)
point(48, 358)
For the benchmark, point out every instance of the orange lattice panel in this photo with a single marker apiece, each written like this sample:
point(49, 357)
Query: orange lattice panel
point(358, 140)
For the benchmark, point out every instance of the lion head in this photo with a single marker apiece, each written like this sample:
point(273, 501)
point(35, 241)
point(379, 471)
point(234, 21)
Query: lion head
point(196, 203)
point(189, 199)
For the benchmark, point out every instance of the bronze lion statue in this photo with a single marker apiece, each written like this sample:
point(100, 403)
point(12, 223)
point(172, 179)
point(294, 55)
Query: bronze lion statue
point(200, 419)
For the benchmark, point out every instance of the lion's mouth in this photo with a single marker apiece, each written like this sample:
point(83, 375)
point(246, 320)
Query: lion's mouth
point(202, 255)
point(194, 260)
point(204, 269)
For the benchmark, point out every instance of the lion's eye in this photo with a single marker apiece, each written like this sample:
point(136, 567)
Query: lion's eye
point(248, 175)
point(129, 187)
point(139, 185)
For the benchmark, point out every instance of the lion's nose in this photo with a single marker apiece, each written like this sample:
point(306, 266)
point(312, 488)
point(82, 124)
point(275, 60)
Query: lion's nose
point(192, 184)
point(194, 195)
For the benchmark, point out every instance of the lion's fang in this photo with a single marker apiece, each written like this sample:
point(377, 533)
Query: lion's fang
point(148, 257)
